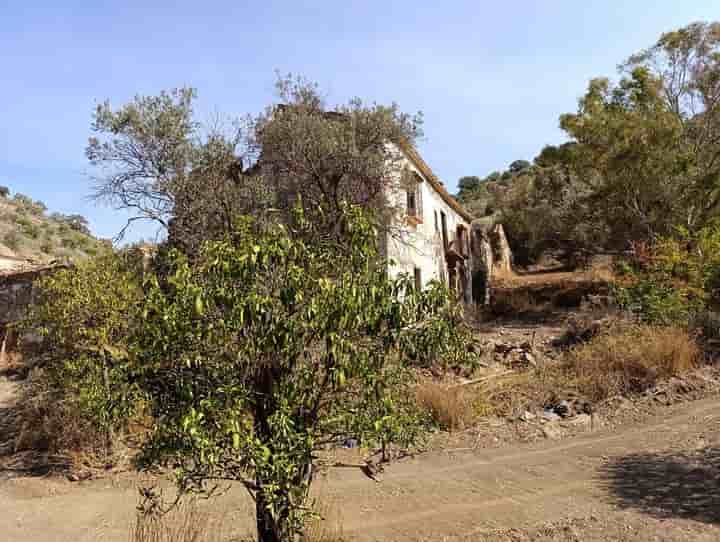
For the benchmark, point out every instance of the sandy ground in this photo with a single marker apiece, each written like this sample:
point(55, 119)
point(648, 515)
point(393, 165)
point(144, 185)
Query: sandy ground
point(655, 481)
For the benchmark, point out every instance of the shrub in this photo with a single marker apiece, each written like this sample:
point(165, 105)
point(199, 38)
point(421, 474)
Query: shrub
point(449, 408)
point(47, 246)
point(655, 301)
point(630, 360)
point(69, 243)
point(31, 230)
point(11, 240)
point(4, 191)
point(83, 316)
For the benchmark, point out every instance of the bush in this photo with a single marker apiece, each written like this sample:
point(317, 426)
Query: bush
point(655, 302)
point(630, 360)
point(83, 316)
point(31, 230)
point(47, 246)
point(69, 242)
point(11, 240)
point(449, 408)
point(4, 191)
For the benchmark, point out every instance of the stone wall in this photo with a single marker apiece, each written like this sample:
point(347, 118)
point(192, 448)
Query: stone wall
point(16, 294)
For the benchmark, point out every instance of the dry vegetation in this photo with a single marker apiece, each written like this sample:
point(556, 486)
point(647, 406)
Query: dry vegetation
point(190, 521)
point(27, 231)
point(630, 360)
point(451, 408)
point(187, 522)
point(623, 360)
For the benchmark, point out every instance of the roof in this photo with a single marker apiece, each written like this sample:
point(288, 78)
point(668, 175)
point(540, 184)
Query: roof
point(414, 156)
point(29, 271)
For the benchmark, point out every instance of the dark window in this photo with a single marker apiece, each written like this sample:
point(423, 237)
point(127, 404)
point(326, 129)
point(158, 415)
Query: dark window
point(418, 279)
point(411, 203)
point(437, 226)
point(443, 221)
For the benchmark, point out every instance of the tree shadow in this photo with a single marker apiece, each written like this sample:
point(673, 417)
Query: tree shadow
point(684, 485)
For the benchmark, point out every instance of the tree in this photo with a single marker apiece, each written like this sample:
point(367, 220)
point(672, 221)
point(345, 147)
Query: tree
point(519, 165)
point(155, 160)
point(327, 156)
point(468, 183)
point(268, 348)
point(4, 191)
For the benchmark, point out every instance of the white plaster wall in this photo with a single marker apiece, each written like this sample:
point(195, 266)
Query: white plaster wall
point(420, 246)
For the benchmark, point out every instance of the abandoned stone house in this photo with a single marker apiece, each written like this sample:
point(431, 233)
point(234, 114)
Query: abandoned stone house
point(431, 238)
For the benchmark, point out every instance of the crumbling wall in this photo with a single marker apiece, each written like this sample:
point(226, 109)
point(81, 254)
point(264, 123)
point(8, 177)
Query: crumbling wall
point(16, 295)
point(502, 255)
point(492, 258)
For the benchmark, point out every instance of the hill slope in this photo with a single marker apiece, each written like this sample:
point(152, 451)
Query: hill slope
point(27, 231)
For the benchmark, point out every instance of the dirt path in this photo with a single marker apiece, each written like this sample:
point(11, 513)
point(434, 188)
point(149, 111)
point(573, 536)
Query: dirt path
point(661, 478)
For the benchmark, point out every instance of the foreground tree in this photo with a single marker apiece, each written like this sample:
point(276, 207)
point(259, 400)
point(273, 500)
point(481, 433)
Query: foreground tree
point(270, 348)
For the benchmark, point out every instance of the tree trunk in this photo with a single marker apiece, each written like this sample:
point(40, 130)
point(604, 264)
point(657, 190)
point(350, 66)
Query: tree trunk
point(269, 529)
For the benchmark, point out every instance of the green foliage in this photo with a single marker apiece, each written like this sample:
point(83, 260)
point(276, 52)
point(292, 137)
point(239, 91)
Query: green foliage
point(469, 183)
point(678, 280)
point(444, 339)
point(83, 315)
point(73, 222)
point(640, 160)
point(269, 347)
point(654, 302)
point(519, 165)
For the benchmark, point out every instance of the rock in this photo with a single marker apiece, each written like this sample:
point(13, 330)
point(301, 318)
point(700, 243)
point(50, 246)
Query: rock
point(550, 415)
point(581, 420)
point(350, 443)
point(551, 431)
point(527, 416)
point(563, 409)
point(529, 359)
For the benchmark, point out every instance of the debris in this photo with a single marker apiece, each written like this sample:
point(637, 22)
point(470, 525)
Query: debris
point(527, 416)
point(550, 415)
point(551, 431)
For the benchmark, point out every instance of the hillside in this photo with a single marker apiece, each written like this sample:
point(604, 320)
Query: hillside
point(29, 231)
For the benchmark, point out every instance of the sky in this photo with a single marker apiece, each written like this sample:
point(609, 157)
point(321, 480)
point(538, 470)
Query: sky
point(490, 77)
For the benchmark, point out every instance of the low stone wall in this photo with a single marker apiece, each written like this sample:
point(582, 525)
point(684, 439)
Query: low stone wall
point(16, 295)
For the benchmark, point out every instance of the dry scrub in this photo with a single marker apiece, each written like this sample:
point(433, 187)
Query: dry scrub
point(620, 360)
point(187, 522)
point(449, 408)
point(630, 360)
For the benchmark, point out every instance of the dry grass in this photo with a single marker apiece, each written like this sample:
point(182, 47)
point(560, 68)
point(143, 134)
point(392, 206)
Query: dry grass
point(620, 360)
point(187, 522)
point(326, 526)
point(630, 360)
point(49, 423)
point(451, 408)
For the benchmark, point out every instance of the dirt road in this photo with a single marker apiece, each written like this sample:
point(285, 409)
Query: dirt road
point(656, 481)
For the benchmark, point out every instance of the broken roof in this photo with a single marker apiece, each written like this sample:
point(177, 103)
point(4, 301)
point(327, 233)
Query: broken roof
point(414, 156)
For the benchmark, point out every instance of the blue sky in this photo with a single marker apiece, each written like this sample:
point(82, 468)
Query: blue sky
point(490, 77)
